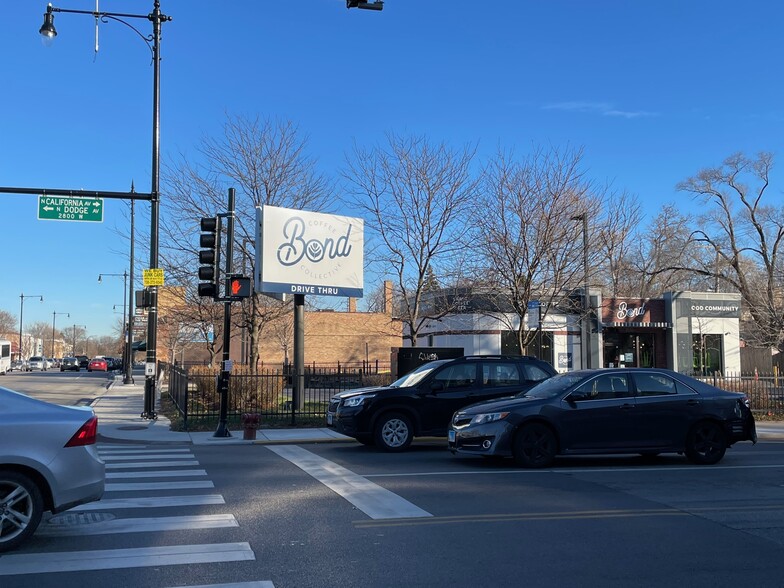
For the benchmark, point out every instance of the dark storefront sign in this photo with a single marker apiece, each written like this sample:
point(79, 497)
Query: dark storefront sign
point(710, 308)
point(633, 332)
point(409, 358)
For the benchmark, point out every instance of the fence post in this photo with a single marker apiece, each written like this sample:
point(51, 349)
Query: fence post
point(187, 389)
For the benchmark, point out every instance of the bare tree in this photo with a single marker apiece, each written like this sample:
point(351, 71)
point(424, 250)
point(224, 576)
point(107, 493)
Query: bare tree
point(616, 240)
point(530, 247)
point(416, 198)
point(8, 323)
point(266, 162)
point(655, 265)
point(747, 237)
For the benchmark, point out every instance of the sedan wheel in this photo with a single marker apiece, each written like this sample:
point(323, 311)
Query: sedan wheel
point(394, 432)
point(535, 446)
point(21, 507)
point(706, 443)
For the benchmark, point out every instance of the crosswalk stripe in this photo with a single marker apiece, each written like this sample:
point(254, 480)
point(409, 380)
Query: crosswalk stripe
point(172, 456)
point(141, 525)
point(257, 584)
point(156, 474)
point(370, 498)
point(139, 449)
point(149, 464)
point(133, 486)
point(109, 559)
point(151, 502)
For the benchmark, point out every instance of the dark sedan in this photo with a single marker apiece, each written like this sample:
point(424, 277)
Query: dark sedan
point(627, 410)
point(69, 364)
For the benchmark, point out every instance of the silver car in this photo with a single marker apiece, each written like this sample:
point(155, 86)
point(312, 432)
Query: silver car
point(37, 363)
point(48, 462)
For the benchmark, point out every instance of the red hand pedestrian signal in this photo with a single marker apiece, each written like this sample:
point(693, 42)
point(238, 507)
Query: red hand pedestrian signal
point(238, 287)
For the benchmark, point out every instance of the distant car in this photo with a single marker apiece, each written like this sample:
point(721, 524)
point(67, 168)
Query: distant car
point(422, 402)
point(69, 364)
point(98, 364)
point(18, 365)
point(111, 362)
point(48, 462)
point(628, 410)
point(84, 361)
point(37, 363)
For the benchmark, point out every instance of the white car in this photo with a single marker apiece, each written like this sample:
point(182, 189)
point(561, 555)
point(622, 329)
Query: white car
point(37, 362)
point(48, 462)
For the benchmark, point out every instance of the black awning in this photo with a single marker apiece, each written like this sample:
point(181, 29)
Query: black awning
point(662, 325)
point(139, 346)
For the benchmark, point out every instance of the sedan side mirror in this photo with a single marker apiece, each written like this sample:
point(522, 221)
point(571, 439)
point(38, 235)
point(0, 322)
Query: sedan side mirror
point(577, 395)
point(436, 386)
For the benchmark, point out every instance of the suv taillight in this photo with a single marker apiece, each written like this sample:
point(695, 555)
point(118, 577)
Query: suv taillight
point(86, 434)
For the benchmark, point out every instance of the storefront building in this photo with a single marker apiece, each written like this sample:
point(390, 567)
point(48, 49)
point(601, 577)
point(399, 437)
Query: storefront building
point(633, 333)
point(690, 332)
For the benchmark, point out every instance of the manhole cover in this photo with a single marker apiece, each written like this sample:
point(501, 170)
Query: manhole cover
point(81, 518)
point(132, 428)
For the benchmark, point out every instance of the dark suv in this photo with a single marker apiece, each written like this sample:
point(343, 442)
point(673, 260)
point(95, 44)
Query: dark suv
point(423, 401)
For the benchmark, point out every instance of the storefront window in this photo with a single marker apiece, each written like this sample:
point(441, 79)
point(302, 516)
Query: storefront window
point(541, 347)
point(628, 349)
point(707, 354)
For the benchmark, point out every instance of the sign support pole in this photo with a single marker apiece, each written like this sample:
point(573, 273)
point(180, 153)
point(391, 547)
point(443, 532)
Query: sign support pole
point(223, 381)
point(298, 399)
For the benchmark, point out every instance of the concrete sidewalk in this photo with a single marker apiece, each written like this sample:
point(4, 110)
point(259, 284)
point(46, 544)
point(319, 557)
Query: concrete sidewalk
point(119, 419)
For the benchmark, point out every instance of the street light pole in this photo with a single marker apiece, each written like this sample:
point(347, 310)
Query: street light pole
point(156, 17)
point(586, 320)
point(73, 349)
point(54, 316)
point(126, 332)
point(21, 312)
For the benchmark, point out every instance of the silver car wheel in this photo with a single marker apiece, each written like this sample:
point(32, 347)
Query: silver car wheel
point(394, 432)
point(21, 507)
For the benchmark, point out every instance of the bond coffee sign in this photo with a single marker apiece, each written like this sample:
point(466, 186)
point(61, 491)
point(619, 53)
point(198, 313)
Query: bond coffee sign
point(300, 252)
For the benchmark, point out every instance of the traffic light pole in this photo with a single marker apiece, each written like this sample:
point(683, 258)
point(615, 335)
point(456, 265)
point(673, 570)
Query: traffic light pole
point(223, 381)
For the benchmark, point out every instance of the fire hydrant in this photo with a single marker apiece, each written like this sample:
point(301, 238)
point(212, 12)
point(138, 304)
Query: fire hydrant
point(250, 422)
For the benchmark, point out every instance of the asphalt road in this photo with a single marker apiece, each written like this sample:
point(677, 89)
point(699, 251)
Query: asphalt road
point(69, 388)
point(347, 515)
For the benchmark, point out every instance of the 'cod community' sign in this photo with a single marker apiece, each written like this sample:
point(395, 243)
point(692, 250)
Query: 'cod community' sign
point(299, 252)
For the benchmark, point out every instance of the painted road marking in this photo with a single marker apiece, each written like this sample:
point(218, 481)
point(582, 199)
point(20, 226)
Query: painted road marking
point(151, 502)
point(141, 525)
point(155, 474)
point(110, 559)
point(171, 456)
point(134, 486)
point(149, 464)
point(259, 584)
point(373, 500)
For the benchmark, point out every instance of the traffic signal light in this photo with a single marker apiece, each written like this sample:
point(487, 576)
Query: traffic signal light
point(209, 256)
point(238, 287)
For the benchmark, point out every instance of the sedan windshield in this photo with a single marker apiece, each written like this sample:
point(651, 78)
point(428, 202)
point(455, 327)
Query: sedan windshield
point(552, 387)
point(419, 374)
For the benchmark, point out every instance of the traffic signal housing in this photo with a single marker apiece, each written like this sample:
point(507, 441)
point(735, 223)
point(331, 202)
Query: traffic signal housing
point(209, 256)
point(238, 287)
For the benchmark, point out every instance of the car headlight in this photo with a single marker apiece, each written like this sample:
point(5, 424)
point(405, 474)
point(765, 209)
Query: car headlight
point(357, 400)
point(488, 417)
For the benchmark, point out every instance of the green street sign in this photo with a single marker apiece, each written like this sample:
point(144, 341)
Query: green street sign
point(70, 208)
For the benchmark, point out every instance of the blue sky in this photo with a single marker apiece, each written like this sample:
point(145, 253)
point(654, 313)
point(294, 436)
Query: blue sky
point(653, 91)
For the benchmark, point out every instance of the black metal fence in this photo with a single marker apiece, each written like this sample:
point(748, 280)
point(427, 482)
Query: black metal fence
point(268, 393)
point(765, 391)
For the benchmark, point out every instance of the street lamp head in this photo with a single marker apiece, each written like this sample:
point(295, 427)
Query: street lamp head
point(100, 276)
point(47, 29)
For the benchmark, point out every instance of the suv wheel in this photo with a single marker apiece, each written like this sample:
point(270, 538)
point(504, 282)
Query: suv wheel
point(394, 432)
